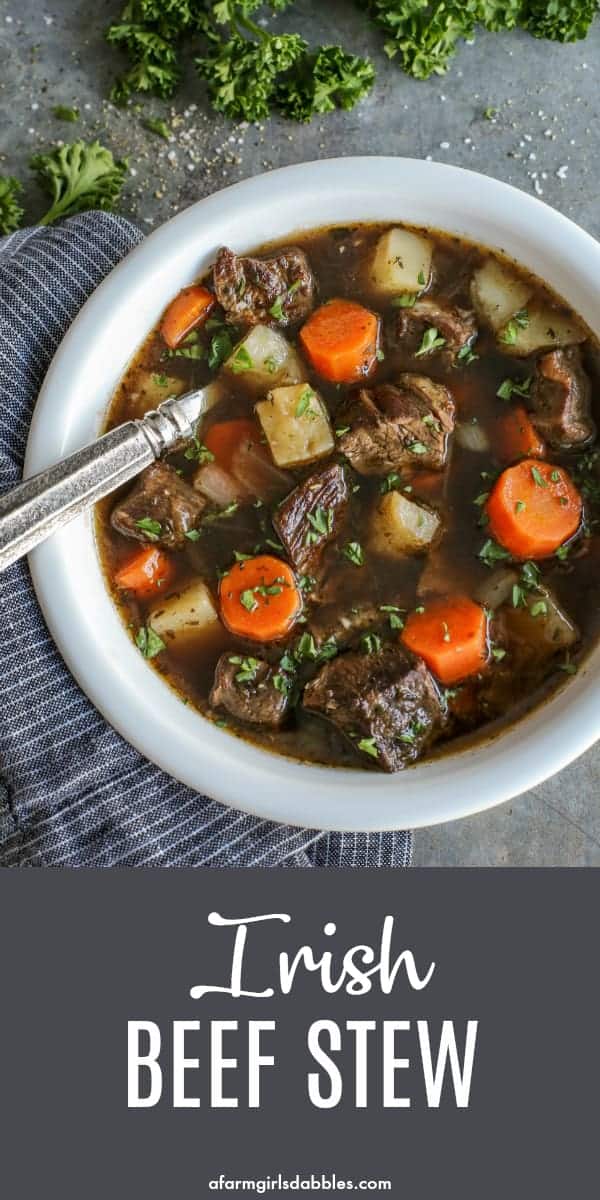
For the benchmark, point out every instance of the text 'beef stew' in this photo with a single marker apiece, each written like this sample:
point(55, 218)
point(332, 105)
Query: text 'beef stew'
point(383, 538)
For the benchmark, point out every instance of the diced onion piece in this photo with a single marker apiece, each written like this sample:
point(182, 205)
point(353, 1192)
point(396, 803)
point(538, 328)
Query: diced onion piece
point(546, 329)
point(497, 588)
point(150, 388)
point(219, 485)
point(263, 358)
point(190, 613)
point(541, 623)
point(401, 263)
point(400, 526)
point(296, 424)
point(472, 436)
point(497, 293)
point(252, 465)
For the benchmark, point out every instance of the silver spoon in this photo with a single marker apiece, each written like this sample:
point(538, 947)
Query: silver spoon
point(41, 505)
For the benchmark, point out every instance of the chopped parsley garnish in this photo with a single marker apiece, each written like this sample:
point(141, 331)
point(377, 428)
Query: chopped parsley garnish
point(390, 483)
point(148, 642)
point(466, 356)
point(538, 478)
point(406, 300)
point(276, 309)
point(498, 653)
point(492, 553)
point(568, 666)
point(370, 643)
point(353, 551)
point(510, 332)
point(396, 621)
point(306, 649)
point(193, 534)
point(303, 405)
point(241, 361)
point(190, 347)
point(248, 600)
point(410, 734)
point(150, 527)
point(240, 556)
point(271, 364)
point(321, 522)
point(431, 340)
point(248, 668)
point(342, 429)
point(421, 278)
point(432, 422)
point(540, 607)
point(198, 452)
point(379, 354)
point(306, 583)
point(220, 348)
point(514, 387)
point(223, 512)
point(520, 506)
point(367, 745)
point(417, 448)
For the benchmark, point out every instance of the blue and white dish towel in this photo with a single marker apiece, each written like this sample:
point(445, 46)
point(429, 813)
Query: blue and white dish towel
point(72, 792)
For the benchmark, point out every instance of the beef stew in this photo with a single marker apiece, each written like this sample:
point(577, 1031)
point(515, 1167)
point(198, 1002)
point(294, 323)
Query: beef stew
point(383, 541)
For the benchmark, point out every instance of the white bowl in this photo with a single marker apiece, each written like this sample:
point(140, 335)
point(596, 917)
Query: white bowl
point(69, 413)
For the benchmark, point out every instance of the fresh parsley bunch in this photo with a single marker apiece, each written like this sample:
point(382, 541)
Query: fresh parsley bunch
point(248, 70)
point(11, 213)
point(78, 177)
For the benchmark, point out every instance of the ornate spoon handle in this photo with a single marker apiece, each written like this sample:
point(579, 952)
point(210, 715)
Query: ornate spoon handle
point(41, 505)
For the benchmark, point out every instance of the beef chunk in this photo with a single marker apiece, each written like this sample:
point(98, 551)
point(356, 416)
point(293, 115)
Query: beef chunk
point(160, 508)
point(248, 288)
point(560, 398)
point(396, 425)
point(386, 700)
point(311, 516)
point(245, 687)
point(456, 325)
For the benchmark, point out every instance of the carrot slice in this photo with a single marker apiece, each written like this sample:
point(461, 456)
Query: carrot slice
point(147, 572)
point(517, 437)
point(187, 310)
point(259, 598)
point(450, 635)
point(533, 508)
point(340, 340)
point(224, 438)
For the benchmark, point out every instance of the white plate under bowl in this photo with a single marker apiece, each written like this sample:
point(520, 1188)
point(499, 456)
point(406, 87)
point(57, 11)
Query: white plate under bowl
point(69, 413)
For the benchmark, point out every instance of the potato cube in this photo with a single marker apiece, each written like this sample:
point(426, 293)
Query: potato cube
point(401, 263)
point(402, 526)
point(263, 358)
point(149, 389)
point(296, 424)
point(540, 624)
point(186, 614)
point(545, 328)
point(497, 293)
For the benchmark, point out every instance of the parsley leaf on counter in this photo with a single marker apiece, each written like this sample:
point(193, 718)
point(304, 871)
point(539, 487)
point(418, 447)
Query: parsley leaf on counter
point(11, 213)
point(79, 176)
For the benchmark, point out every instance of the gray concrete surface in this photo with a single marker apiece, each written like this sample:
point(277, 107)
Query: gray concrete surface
point(545, 138)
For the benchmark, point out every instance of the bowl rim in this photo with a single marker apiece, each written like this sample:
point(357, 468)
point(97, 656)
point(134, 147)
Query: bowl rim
point(133, 698)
